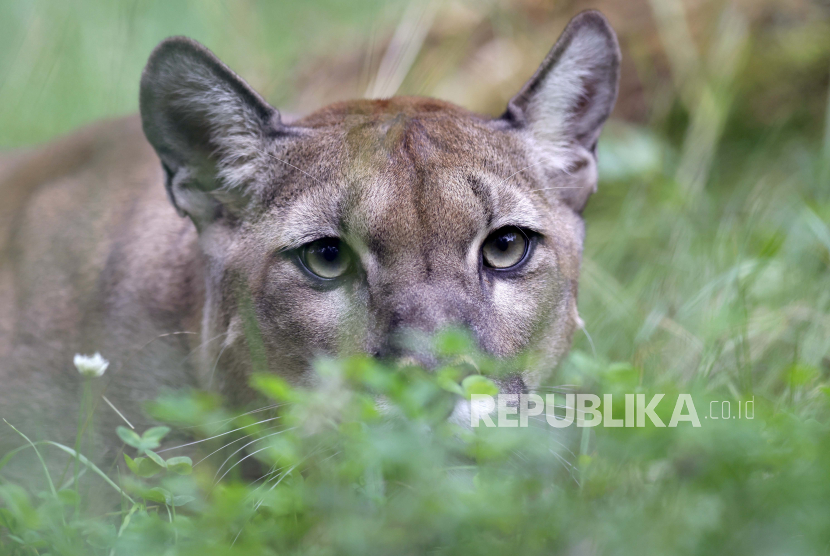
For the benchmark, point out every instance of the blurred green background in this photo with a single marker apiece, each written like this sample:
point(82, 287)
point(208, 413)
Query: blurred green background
point(707, 260)
point(67, 63)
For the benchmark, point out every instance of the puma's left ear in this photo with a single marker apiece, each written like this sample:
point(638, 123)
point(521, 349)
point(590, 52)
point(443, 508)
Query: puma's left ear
point(566, 102)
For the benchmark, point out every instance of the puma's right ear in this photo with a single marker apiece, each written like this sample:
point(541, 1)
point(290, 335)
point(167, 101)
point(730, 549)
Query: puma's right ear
point(566, 102)
point(207, 125)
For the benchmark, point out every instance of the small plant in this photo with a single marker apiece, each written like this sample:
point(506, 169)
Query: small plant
point(338, 475)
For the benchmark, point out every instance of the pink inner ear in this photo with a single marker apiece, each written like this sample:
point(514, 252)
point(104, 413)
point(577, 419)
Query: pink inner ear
point(583, 103)
point(573, 91)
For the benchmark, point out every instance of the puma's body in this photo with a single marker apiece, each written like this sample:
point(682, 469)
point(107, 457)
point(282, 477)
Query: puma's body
point(94, 258)
point(406, 195)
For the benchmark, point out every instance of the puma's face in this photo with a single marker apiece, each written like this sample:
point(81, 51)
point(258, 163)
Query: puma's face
point(404, 216)
point(369, 223)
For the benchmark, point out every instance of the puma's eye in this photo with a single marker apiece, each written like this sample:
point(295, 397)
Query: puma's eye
point(327, 258)
point(504, 248)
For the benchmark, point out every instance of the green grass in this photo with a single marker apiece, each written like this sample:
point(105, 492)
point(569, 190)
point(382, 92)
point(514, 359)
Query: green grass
point(65, 64)
point(340, 478)
point(707, 271)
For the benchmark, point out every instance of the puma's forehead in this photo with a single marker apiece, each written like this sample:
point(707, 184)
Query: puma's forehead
point(406, 171)
point(381, 110)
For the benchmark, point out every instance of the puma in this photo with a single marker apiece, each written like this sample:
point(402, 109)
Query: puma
point(210, 236)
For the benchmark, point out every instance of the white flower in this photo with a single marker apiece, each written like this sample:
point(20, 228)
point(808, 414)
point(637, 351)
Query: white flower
point(91, 366)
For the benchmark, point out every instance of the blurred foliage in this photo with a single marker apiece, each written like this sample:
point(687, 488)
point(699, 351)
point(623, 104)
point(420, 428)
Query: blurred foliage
point(338, 475)
point(707, 270)
point(63, 64)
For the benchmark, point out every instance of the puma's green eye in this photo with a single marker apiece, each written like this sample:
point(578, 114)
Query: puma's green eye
point(327, 258)
point(505, 248)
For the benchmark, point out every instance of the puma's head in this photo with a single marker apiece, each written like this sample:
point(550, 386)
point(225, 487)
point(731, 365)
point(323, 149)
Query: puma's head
point(367, 220)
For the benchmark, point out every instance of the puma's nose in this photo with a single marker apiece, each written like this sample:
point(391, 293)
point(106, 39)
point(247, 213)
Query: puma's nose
point(427, 308)
point(413, 316)
point(404, 347)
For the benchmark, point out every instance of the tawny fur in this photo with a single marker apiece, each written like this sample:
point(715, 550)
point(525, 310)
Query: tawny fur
point(94, 256)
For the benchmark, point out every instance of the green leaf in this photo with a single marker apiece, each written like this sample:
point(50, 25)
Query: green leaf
point(7, 519)
point(181, 500)
point(181, 465)
point(142, 467)
point(129, 437)
point(454, 342)
point(100, 535)
point(68, 497)
point(131, 463)
point(158, 494)
point(151, 439)
point(18, 504)
point(272, 386)
point(157, 459)
point(623, 375)
point(800, 374)
point(447, 378)
point(478, 384)
point(191, 409)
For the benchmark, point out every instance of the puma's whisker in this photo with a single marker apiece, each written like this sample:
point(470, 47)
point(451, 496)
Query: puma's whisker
point(240, 439)
point(217, 481)
point(223, 421)
point(109, 403)
point(232, 467)
point(502, 182)
point(292, 166)
point(218, 435)
point(246, 457)
point(590, 340)
point(561, 389)
point(569, 467)
point(279, 480)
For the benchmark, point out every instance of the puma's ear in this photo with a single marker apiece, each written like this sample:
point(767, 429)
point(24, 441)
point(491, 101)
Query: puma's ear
point(566, 102)
point(207, 125)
